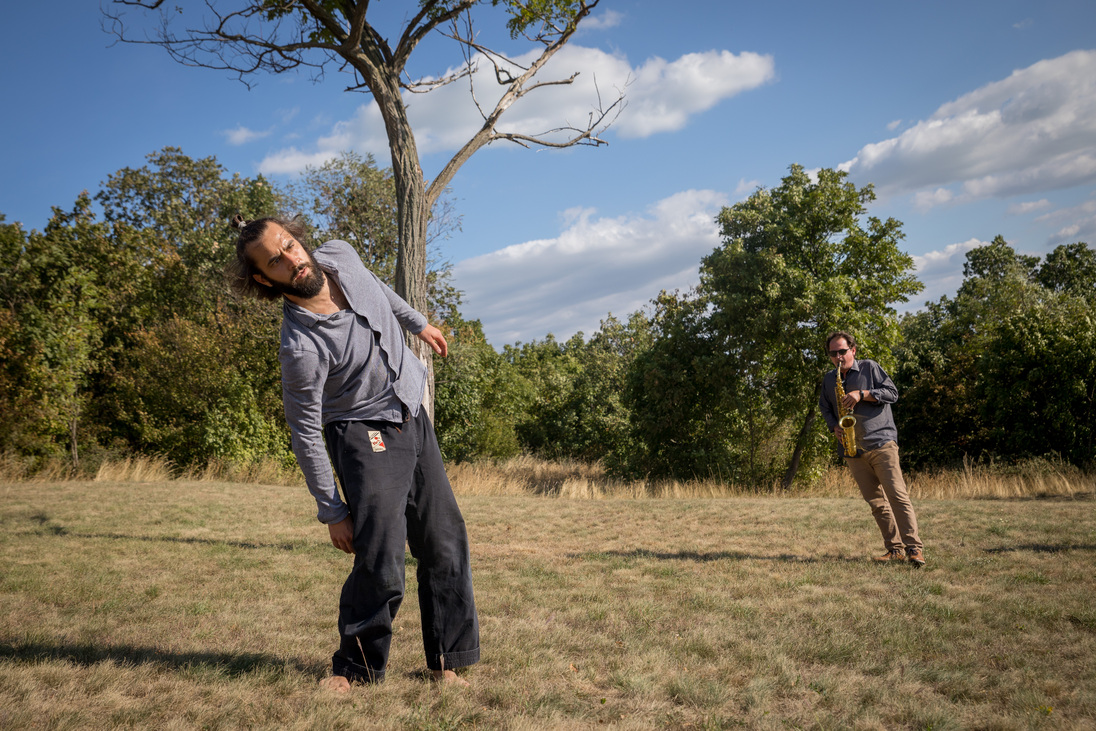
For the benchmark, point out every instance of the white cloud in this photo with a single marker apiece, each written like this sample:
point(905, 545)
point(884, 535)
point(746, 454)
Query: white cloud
point(595, 266)
point(664, 95)
point(1032, 132)
point(292, 160)
point(660, 97)
point(891, 126)
point(1021, 209)
point(1077, 223)
point(242, 135)
point(608, 19)
point(747, 187)
point(926, 199)
point(941, 272)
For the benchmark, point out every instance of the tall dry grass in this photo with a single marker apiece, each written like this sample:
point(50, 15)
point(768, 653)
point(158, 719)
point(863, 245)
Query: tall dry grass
point(145, 468)
point(577, 480)
point(568, 479)
point(1033, 478)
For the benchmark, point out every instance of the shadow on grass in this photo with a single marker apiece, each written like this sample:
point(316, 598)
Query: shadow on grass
point(1043, 548)
point(697, 557)
point(53, 529)
point(286, 546)
point(229, 664)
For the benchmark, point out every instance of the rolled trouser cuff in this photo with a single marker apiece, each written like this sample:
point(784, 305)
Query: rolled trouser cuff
point(453, 660)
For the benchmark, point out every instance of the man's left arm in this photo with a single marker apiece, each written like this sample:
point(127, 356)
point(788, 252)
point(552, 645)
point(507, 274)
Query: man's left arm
point(881, 388)
point(414, 321)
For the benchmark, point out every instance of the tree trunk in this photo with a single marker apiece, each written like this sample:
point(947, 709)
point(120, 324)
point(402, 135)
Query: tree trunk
point(73, 444)
point(413, 215)
point(801, 440)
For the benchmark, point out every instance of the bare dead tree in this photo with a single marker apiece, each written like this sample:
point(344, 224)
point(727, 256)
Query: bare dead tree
point(280, 36)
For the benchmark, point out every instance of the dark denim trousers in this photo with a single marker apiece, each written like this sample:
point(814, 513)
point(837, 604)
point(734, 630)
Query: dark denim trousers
point(394, 482)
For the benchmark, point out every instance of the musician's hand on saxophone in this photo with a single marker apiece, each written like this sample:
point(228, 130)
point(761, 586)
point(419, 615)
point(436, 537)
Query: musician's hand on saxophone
point(852, 398)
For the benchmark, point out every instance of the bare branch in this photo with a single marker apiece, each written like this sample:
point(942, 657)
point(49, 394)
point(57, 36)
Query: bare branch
point(423, 86)
point(585, 135)
point(229, 42)
point(520, 85)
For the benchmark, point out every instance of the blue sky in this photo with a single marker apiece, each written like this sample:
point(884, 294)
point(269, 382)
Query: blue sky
point(972, 119)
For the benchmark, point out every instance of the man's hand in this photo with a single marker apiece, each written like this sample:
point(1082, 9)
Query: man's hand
point(342, 534)
point(433, 337)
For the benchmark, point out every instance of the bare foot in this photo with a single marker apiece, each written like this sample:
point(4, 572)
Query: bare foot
point(337, 683)
point(448, 677)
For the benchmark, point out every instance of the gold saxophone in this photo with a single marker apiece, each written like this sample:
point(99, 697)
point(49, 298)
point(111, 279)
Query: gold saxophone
point(845, 418)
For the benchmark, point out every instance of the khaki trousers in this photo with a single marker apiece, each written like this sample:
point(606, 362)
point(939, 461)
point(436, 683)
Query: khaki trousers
point(880, 480)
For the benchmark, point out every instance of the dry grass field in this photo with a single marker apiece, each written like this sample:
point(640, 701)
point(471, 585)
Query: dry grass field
point(183, 604)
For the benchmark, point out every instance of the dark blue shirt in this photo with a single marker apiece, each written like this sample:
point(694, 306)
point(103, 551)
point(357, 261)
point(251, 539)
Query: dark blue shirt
point(874, 421)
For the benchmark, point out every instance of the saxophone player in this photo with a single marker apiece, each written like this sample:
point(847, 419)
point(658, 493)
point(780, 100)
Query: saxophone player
point(868, 393)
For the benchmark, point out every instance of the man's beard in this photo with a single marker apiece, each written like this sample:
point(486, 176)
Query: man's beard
point(308, 287)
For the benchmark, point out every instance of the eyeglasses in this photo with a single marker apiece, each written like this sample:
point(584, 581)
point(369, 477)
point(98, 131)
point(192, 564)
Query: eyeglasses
point(838, 353)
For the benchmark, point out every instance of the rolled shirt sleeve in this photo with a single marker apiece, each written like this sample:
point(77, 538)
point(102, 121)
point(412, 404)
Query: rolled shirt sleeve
point(881, 386)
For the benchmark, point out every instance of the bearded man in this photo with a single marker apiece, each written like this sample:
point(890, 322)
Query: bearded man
point(348, 378)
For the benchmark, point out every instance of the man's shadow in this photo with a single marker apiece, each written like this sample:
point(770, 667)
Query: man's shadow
point(1042, 548)
point(704, 557)
point(86, 655)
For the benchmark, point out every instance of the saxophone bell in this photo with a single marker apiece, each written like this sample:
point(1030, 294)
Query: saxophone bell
point(848, 423)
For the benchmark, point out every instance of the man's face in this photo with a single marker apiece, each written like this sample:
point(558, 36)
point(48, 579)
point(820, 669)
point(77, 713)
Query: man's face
point(286, 266)
point(839, 359)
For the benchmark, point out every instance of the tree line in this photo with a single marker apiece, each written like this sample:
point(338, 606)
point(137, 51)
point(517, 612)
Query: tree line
point(119, 336)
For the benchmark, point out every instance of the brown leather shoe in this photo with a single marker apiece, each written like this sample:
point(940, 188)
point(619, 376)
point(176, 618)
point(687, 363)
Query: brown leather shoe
point(895, 554)
point(916, 557)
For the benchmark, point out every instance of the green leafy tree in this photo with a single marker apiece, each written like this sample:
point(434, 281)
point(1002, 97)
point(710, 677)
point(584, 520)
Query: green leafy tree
point(938, 361)
point(199, 391)
point(682, 393)
point(16, 353)
point(185, 206)
point(172, 217)
point(579, 410)
point(52, 287)
point(1003, 370)
point(596, 410)
point(1038, 376)
point(1070, 268)
point(350, 198)
point(276, 37)
point(480, 399)
point(550, 367)
point(796, 263)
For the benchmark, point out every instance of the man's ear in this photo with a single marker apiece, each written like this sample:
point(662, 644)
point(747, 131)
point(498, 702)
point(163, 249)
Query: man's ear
point(261, 279)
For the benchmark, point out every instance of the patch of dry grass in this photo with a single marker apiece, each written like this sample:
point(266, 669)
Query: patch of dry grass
point(199, 604)
point(1033, 478)
point(525, 475)
point(568, 479)
point(134, 469)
